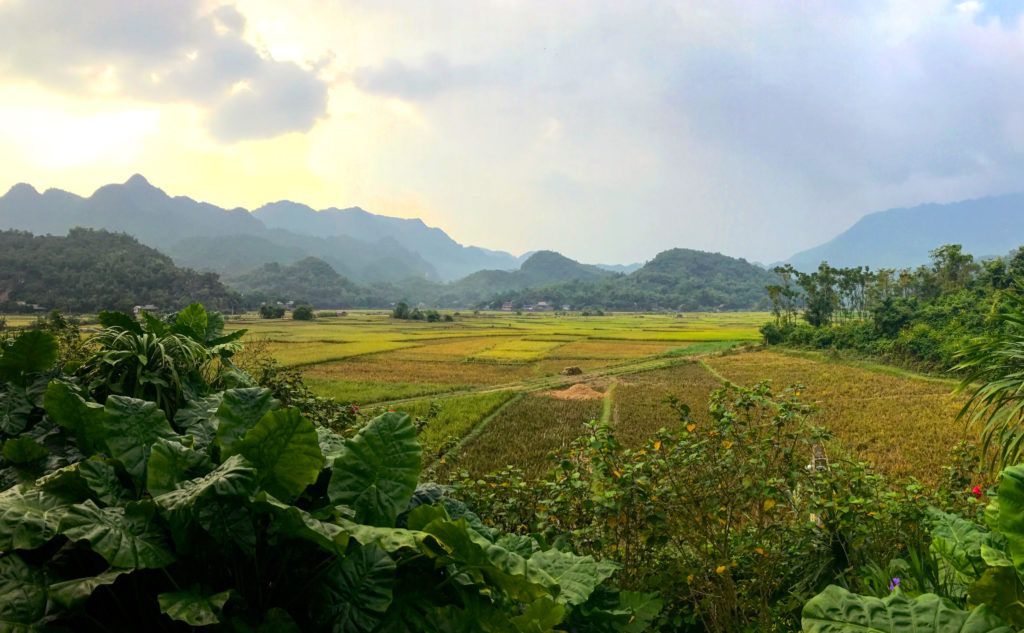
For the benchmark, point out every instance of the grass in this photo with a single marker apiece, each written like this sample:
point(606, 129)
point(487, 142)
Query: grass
point(452, 419)
point(640, 411)
point(903, 424)
point(523, 435)
point(382, 369)
point(363, 392)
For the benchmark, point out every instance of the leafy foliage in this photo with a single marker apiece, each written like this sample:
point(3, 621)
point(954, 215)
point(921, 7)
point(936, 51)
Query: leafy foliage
point(89, 270)
point(128, 522)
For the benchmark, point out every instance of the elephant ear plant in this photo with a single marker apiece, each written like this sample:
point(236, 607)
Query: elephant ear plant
point(982, 565)
point(234, 513)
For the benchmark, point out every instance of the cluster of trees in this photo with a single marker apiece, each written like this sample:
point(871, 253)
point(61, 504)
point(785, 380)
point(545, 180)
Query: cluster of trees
point(402, 311)
point(921, 315)
point(90, 270)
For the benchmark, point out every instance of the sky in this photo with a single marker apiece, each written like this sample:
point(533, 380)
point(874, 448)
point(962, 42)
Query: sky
point(605, 130)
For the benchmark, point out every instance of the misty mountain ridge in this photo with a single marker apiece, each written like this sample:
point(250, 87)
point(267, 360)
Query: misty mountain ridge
point(903, 237)
point(365, 246)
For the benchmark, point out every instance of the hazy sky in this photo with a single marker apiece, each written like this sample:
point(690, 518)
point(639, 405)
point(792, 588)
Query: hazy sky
point(608, 131)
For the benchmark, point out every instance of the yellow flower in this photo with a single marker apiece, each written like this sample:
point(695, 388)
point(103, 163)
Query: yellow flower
point(759, 551)
point(657, 445)
point(726, 444)
point(691, 427)
point(721, 569)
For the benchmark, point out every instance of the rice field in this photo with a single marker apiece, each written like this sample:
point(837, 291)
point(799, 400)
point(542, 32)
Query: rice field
point(524, 434)
point(490, 377)
point(901, 424)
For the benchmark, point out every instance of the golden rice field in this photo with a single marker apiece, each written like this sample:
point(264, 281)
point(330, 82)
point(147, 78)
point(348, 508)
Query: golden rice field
point(903, 425)
point(486, 382)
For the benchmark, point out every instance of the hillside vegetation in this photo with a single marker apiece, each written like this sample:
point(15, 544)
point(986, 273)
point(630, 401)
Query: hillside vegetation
point(89, 270)
point(678, 279)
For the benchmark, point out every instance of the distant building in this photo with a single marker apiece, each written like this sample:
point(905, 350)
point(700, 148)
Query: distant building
point(149, 307)
point(565, 307)
point(506, 307)
point(528, 307)
point(542, 306)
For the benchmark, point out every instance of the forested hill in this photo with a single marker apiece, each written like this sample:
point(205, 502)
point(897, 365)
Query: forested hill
point(541, 269)
point(91, 270)
point(310, 281)
point(902, 238)
point(676, 279)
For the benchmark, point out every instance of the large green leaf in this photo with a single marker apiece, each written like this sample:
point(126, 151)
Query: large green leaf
point(192, 322)
point(391, 539)
point(22, 596)
point(234, 478)
point(31, 352)
point(293, 522)
point(577, 576)
point(70, 593)
point(153, 324)
point(109, 318)
point(1001, 590)
point(132, 426)
point(956, 544)
point(540, 616)
point(15, 409)
point(197, 419)
point(284, 448)
point(239, 411)
point(170, 463)
point(23, 450)
point(194, 607)
point(87, 420)
point(127, 537)
point(376, 472)
point(1011, 514)
point(836, 610)
point(355, 592)
point(103, 482)
point(29, 517)
point(490, 563)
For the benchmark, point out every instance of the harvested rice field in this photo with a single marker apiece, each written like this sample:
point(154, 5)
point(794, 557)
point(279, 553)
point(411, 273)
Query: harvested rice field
point(502, 389)
point(903, 425)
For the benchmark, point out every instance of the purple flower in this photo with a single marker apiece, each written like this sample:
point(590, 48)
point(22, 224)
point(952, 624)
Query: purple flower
point(895, 583)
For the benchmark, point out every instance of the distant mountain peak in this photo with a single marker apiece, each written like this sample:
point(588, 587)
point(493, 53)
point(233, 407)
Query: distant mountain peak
point(903, 237)
point(138, 180)
point(22, 189)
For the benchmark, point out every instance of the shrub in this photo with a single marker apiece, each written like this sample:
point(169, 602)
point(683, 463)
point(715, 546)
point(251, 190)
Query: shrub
point(271, 311)
point(303, 313)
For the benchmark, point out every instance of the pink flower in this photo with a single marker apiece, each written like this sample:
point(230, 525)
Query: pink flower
point(976, 492)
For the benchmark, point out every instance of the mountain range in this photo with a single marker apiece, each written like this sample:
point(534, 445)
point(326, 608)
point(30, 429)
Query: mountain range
point(351, 257)
point(360, 245)
point(902, 238)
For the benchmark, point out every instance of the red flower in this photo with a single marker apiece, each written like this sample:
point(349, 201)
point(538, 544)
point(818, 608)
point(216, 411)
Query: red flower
point(976, 492)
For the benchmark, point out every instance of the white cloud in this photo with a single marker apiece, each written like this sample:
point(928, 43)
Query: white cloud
point(164, 51)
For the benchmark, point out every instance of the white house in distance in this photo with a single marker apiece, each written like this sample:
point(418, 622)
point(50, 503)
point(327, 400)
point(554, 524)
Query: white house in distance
point(149, 307)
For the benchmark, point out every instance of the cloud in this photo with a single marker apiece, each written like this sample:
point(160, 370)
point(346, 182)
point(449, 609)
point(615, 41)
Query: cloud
point(160, 51)
point(421, 80)
point(752, 128)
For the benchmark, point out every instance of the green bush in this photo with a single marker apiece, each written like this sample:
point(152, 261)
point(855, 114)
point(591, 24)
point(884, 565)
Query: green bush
point(303, 313)
point(271, 311)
